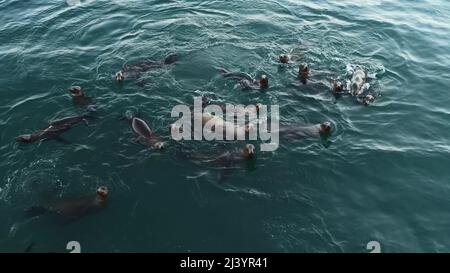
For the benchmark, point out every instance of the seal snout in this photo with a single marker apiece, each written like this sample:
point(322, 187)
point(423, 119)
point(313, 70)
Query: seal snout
point(338, 87)
point(102, 192)
point(264, 81)
point(284, 58)
point(325, 127)
point(76, 91)
point(369, 99)
point(119, 76)
point(303, 72)
point(159, 145)
point(249, 151)
point(304, 68)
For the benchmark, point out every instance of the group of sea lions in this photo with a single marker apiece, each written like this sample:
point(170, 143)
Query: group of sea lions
point(357, 86)
point(74, 208)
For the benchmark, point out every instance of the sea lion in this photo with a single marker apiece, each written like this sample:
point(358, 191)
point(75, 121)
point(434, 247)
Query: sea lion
point(358, 81)
point(217, 122)
point(245, 80)
point(368, 99)
point(72, 208)
point(119, 76)
point(227, 161)
point(53, 130)
point(144, 134)
point(247, 152)
point(134, 70)
point(285, 59)
point(78, 96)
point(294, 131)
point(337, 87)
point(357, 86)
point(303, 72)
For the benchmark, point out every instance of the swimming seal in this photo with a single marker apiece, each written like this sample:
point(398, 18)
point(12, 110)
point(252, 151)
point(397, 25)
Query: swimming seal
point(145, 135)
point(245, 80)
point(78, 96)
point(134, 70)
point(53, 130)
point(284, 59)
point(358, 81)
point(227, 161)
point(337, 87)
point(357, 86)
point(303, 72)
point(368, 99)
point(295, 131)
point(72, 208)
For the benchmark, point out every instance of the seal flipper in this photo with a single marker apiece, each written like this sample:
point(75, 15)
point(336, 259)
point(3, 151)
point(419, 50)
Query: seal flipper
point(141, 128)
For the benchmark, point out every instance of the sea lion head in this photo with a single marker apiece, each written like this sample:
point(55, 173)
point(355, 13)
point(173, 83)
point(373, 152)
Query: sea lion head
point(249, 151)
point(102, 193)
point(159, 145)
point(303, 68)
point(368, 99)
point(264, 81)
point(24, 138)
point(284, 58)
point(119, 76)
point(325, 127)
point(76, 91)
point(338, 87)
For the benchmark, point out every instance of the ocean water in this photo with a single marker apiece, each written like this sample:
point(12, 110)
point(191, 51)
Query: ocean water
point(383, 174)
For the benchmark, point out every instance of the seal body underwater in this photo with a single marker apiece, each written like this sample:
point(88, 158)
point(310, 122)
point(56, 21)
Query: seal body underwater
point(134, 70)
point(245, 80)
point(226, 161)
point(72, 208)
point(296, 131)
point(53, 130)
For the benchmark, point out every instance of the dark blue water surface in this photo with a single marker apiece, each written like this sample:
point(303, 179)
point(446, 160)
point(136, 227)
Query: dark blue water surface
point(383, 174)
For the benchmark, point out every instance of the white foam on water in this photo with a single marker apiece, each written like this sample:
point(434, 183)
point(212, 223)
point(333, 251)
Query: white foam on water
point(73, 2)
